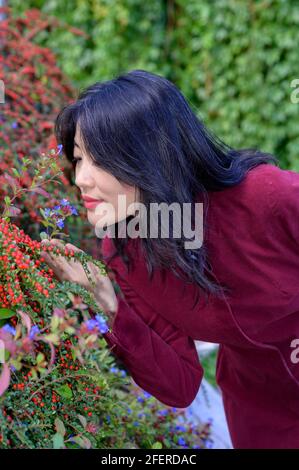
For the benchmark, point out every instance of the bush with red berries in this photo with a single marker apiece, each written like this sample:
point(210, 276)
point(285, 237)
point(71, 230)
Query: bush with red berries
point(60, 386)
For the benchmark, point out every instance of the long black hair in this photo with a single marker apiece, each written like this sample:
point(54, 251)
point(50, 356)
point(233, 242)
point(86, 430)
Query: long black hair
point(140, 128)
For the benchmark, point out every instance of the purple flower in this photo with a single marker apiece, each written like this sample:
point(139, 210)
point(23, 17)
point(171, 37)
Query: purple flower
point(57, 208)
point(102, 325)
point(162, 412)
point(47, 212)
point(91, 324)
point(9, 329)
point(98, 322)
point(73, 210)
point(14, 125)
point(180, 428)
point(60, 147)
point(34, 331)
point(64, 202)
point(60, 223)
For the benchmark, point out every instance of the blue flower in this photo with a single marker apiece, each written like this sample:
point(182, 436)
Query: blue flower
point(135, 423)
point(140, 399)
point(108, 418)
point(123, 373)
point(64, 202)
point(34, 331)
point(60, 223)
point(60, 147)
point(113, 370)
point(48, 212)
point(162, 412)
point(181, 441)
point(73, 210)
point(57, 208)
point(14, 125)
point(101, 323)
point(9, 329)
point(180, 428)
point(147, 395)
point(129, 410)
point(91, 324)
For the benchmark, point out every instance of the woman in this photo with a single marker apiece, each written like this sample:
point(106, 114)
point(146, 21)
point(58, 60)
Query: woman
point(137, 137)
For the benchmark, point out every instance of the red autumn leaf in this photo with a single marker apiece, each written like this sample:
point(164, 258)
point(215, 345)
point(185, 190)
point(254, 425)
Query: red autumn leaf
point(41, 191)
point(13, 182)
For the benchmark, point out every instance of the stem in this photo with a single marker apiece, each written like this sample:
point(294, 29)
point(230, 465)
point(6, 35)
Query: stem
point(61, 379)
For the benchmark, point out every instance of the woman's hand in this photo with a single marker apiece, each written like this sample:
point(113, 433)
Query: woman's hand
point(73, 271)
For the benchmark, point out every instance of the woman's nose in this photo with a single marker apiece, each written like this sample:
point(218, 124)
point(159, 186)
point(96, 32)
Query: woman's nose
point(84, 177)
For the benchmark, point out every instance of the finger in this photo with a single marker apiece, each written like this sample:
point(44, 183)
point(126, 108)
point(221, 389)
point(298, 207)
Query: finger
point(45, 256)
point(52, 242)
point(55, 261)
point(58, 243)
point(69, 246)
point(49, 261)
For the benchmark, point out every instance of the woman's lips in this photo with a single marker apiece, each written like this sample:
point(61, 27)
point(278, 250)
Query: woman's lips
point(92, 204)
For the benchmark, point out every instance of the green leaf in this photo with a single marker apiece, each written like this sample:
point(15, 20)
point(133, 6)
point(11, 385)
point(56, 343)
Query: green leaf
point(15, 172)
point(65, 392)
point(82, 420)
point(52, 338)
point(55, 321)
point(58, 441)
point(40, 358)
point(157, 445)
point(59, 426)
point(17, 364)
point(82, 442)
point(43, 235)
point(6, 313)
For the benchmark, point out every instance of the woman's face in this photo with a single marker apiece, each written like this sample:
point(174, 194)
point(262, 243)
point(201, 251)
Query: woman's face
point(96, 183)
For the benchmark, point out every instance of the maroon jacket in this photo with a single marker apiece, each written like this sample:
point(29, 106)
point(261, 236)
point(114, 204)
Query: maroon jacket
point(252, 240)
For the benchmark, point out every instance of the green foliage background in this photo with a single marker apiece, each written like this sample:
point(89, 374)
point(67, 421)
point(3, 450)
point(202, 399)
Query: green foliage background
point(233, 59)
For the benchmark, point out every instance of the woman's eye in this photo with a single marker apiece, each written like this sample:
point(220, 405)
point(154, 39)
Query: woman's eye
point(76, 159)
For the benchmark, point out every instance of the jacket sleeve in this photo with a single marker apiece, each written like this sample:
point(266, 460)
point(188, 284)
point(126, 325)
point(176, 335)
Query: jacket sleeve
point(160, 358)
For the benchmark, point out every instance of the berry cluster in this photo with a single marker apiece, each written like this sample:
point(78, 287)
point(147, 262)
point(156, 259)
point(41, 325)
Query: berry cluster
point(21, 273)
